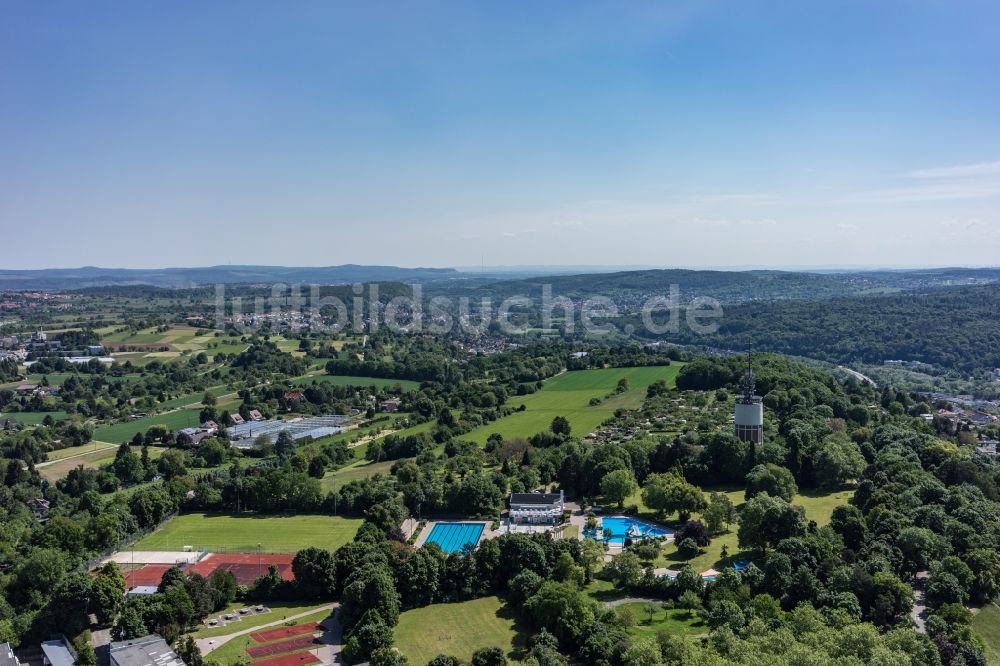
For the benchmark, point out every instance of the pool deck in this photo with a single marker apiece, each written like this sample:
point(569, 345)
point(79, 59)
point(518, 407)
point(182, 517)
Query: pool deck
point(487, 532)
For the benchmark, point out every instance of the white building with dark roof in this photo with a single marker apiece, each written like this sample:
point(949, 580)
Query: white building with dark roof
point(536, 508)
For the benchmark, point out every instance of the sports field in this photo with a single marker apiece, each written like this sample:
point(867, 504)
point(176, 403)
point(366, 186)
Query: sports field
point(457, 629)
point(242, 533)
point(569, 395)
point(352, 380)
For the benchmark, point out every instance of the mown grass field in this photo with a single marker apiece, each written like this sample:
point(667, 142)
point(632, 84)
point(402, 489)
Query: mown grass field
point(677, 620)
point(986, 623)
point(569, 395)
point(34, 418)
point(121, 432)
point(361, 469)
point(90, 447)
point(353, 380)
point(92, 460)
point(242, 533)
point(457, 629)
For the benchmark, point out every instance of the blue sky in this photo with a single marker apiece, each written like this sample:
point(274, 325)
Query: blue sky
point(451, 133)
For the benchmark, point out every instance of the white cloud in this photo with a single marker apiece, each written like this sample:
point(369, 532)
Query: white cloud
point(931, 192)
point(765, 222)
point(958, 171)
point(847, 225)
point(704, 222)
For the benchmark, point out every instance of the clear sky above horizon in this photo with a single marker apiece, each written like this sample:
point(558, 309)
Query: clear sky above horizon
point(452, 133)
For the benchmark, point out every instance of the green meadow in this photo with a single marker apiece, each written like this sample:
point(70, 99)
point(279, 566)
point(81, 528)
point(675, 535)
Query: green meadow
point(569, 395)
point(457, 629)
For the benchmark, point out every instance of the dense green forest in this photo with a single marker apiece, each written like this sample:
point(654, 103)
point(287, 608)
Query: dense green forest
point(952, 328)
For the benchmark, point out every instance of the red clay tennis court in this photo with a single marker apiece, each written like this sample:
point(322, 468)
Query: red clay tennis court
point(297, 659)
point(247, 567)
point(293, 645)
point(286, 632)
point(149, 574)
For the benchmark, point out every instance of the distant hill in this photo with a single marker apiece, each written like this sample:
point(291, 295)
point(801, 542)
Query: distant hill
point(90, 276)
point(727, 286)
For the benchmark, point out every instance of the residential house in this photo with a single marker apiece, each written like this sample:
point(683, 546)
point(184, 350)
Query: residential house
point(237, 419)
point(256, 415)
point(40, 507)
point(390, 405)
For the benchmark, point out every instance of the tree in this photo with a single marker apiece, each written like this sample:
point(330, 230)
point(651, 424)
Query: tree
point(719, 512)
point(189, 652)
point(618, 485)
point(315, 575)
point(107, 593)
point(766, 520)
point(562, 610)
point(726, 613)
point(561, 426)
point(694, 530)
point(837, 461)
point(771, 479)
point(892, 600)
point(171, 464)
point(489, 656)
point(285, 445)
point(666, 493)
point(920, 547)
point(687, 549)
point(129, 625)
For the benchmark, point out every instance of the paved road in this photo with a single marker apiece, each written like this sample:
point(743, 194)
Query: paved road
point(206, 645)
point(919, 611)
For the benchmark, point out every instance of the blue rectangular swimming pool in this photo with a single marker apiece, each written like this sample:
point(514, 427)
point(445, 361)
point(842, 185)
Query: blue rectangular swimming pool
point(453, 537)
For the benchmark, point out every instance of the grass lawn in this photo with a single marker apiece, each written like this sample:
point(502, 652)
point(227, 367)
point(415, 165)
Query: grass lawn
point(569, 395)
point(242, 533)
point(350, 380)
point(123, 432)
point(362, 469)
point(677, 620)
point(234, 651)
point(34, 418)
point(60, 468)
point(457, 629)
point(78, 450)
point(986, 623)
point(279, 611)
point(818, 506)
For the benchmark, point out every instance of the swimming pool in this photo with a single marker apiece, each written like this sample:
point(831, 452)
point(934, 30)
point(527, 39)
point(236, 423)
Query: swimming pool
point(453, 537)
point(620, 527)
